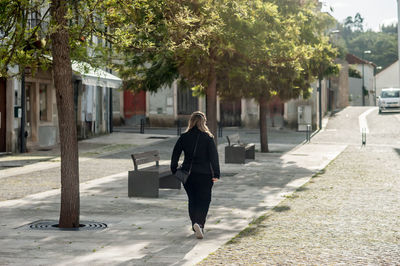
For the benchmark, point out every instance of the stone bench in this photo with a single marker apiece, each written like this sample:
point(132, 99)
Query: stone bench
point(145, 182)
point(238, 152)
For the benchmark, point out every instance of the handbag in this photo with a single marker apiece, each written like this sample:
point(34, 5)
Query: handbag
point(181, 174)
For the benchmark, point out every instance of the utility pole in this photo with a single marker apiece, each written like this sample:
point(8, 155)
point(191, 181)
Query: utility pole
point(23, 112)
point(363, 85)
point(375, 70)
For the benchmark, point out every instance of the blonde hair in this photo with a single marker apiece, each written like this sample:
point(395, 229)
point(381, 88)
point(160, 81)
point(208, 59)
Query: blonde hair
point(199, 119)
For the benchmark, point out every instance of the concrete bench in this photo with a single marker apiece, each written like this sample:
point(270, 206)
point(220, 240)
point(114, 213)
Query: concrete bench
point(238, 152)
point(145, 182)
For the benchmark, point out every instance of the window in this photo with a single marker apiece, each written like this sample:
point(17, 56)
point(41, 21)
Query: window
point(390, 94)
point(187, 103)
point(34, 19)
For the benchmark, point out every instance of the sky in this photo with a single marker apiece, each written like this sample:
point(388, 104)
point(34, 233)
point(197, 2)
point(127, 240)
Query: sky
point(374, 12)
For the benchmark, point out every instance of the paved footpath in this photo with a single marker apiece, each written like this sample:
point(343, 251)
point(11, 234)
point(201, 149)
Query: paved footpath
point(346, 215)
point(99, 157)
point(145, 231)
point(349, 215)
point(25, 174)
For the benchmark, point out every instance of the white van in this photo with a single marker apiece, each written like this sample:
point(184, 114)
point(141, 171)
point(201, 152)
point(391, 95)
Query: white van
point(389, 100)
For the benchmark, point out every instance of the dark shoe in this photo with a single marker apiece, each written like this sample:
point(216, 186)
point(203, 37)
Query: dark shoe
point(198, 231)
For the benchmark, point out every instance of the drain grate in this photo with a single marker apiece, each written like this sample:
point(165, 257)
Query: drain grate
point(53, 225)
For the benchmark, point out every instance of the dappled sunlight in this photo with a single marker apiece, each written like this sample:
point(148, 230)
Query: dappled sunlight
point(122, 252)
point(151, 230)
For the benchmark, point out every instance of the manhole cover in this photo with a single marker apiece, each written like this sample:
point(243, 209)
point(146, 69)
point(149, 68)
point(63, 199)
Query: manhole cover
point(157, 137)
point(53, 225)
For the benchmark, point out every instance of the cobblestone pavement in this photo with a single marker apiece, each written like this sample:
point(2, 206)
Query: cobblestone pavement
point(346, 215)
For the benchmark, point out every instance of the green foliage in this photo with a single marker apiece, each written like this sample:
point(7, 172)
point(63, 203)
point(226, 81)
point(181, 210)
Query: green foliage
point(26, 26)
point(390, 29)
point(148, 76)
point(257, 48)
point(21, 41)
point(285, 51)
point(354, 73)
point(383, 47)
point(189, 37)
point(365, 91)
point(140, 28)
point(383, 44)
point(354, 24)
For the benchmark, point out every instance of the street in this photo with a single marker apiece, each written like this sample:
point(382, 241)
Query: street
point(348, 214)
point(344, 127)
point(329, 201)
point(94, 96)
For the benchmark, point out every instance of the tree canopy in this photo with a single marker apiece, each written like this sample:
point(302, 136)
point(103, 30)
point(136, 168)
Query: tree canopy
point(39, 34)
point(382, 44)
point(258, 49)
point(26, 27)
point(233, 48)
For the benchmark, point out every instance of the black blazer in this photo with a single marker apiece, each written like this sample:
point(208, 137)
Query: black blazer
point(205, 160)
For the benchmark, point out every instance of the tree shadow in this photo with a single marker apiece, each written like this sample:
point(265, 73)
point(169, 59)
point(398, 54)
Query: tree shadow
point(301, 189)
point(156, 227)
point(22, 162)
point(388, 113)
point(283, 208)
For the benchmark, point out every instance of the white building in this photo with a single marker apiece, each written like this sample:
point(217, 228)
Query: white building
point(92, 90)
point(355, 84)
point(334, 96)
point(172, 103)
point(388, 78)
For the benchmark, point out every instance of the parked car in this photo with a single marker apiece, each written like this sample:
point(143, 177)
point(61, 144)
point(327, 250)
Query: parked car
point(389, 100)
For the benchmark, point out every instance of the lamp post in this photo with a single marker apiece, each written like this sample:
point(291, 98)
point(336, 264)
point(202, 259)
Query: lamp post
point(22, 134)
point(23, 116)
point(319, 89)
point(375, 69)
point(398, 37)
point(363, 87)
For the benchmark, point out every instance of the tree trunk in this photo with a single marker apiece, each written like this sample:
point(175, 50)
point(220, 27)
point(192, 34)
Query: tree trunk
point(263, 124)
point(212, 102)
point(62, 75)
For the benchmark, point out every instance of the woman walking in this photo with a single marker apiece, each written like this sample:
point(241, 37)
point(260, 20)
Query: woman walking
point(201, 156)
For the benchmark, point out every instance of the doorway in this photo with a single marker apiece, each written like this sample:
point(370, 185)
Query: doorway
point(134, 107)
point(187, 103)
point(230, 111)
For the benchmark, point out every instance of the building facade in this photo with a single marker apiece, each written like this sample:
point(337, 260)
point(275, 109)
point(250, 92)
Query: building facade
point(40, 127)
point(366, 68)
point(93, 90)
point(92, 97)
point(388, 78)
